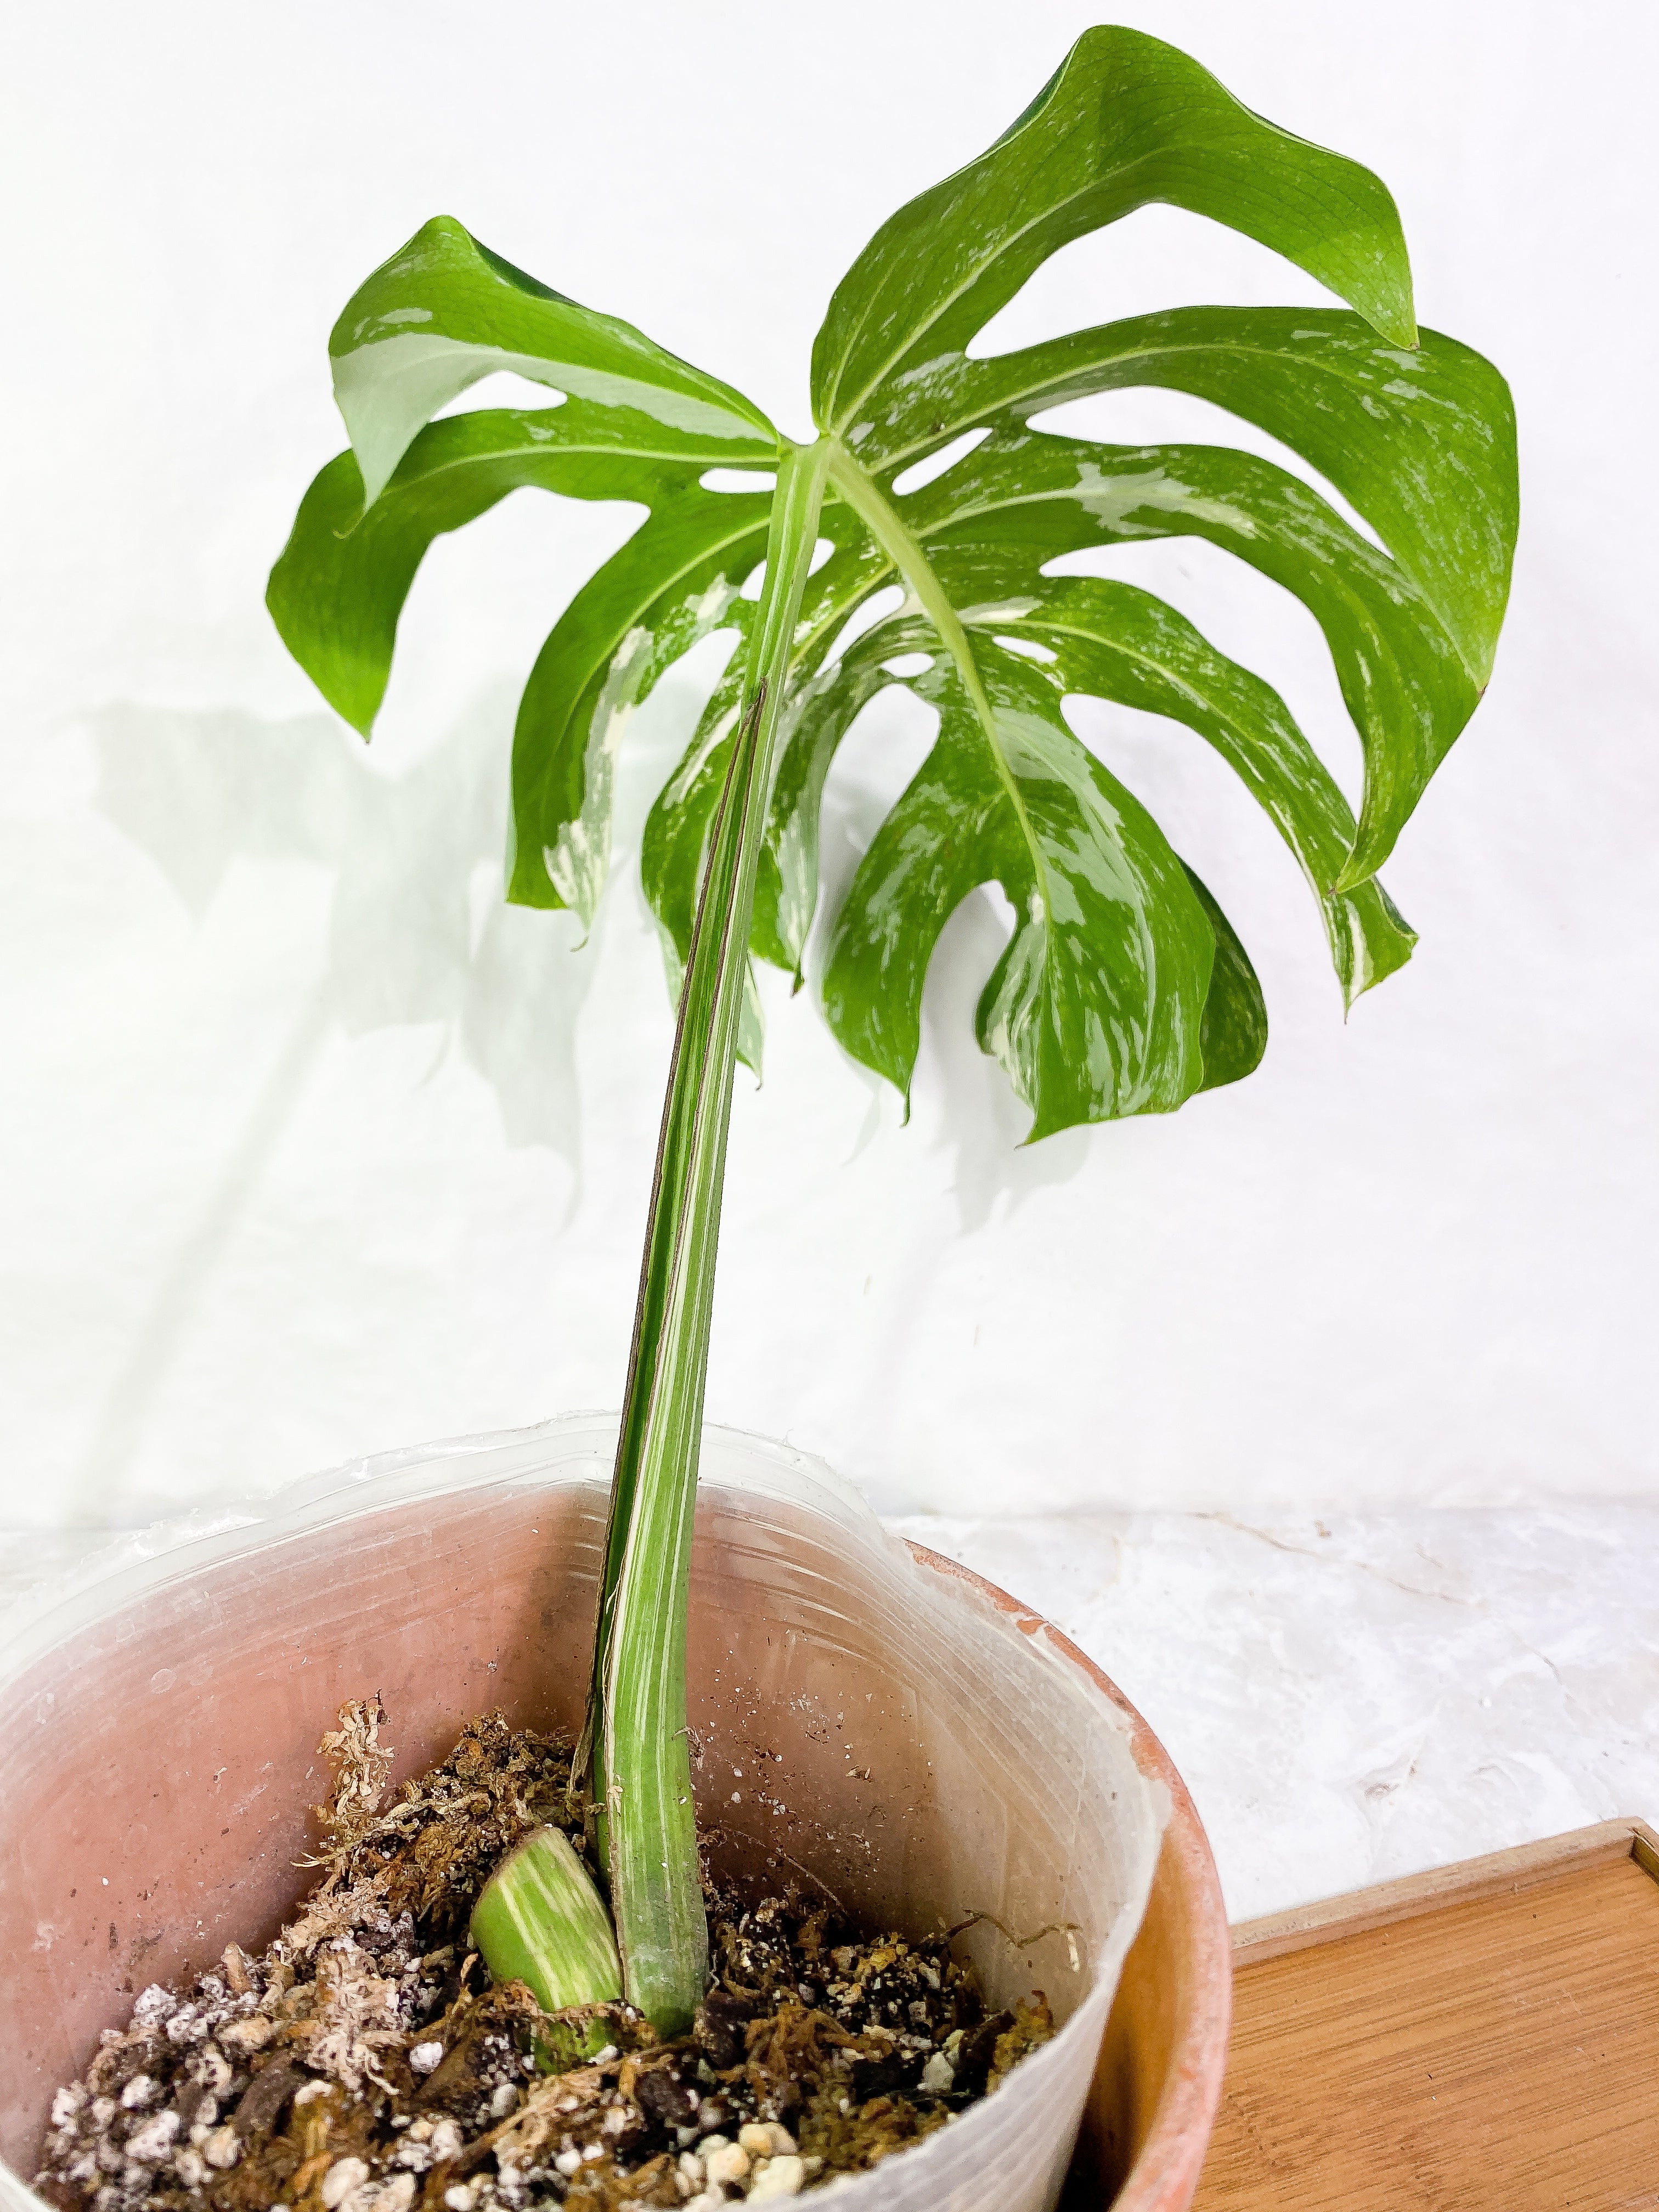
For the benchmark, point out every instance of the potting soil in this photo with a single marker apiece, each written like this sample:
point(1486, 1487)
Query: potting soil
point(364, 2062)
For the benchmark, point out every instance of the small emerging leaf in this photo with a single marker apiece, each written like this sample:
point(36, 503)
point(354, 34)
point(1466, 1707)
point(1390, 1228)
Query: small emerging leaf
point(540, 1921)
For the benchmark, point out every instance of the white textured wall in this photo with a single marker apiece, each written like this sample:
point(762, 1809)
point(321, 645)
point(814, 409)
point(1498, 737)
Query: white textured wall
point(311, 1147)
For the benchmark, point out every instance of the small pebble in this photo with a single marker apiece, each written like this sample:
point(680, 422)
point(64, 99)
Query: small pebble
point(398, 2195)
point(938, 2075)
point(426, 2058)
point(222, 2148)
point(503, 2100)
point(766, 2139)
point(458, 2197)
point(567, 2162)
point(212, 2069)
point(342, 2177)
point(190, 2167)
point(155, 2005)
point(783, 2176)
point(153, 2142)
point(729, 2164)
point(138, 2093)
point(447, 2140)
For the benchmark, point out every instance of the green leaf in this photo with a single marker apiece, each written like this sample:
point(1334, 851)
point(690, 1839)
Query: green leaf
point(1233, 1035)
point(1113, 641)
point(1124, 122)
point(675, 581)
point(1421, 441)
point(674, 848)
point(338, 586)
point(677, 828)
point(444, 312)
point(1096, 1006)
point(818, 716)
point(1023, 499)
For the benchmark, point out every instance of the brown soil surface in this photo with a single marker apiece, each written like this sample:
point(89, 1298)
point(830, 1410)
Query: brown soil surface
point(365, 2063)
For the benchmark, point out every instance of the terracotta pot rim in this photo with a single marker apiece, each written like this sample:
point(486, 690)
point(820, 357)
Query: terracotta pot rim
point(1165, 2173)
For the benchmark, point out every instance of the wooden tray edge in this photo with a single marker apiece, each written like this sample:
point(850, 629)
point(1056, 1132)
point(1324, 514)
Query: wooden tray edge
point(1498, 1873)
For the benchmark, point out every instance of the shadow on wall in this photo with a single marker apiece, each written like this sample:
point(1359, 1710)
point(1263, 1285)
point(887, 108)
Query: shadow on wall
point(420, 933)
point(414, 858)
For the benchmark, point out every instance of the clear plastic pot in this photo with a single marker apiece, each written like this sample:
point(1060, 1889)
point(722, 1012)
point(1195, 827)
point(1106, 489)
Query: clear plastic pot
point(869, 1719)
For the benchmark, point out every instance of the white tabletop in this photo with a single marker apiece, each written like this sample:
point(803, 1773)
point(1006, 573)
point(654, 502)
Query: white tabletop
point(1359, 1697)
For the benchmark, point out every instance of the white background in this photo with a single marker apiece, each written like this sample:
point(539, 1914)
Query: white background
point(311, 1147)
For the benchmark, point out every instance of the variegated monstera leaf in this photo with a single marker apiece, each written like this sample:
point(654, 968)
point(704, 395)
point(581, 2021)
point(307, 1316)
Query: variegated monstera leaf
point(1123, 988)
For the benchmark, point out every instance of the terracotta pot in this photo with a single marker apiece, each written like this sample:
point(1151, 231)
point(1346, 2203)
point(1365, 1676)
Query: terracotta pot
point(903, 1735)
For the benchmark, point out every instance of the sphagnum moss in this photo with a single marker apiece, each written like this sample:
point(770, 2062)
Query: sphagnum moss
point(366, 2062)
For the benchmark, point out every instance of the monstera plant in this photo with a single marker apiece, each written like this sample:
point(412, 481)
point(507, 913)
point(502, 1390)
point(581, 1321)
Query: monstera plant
point(1123, 988)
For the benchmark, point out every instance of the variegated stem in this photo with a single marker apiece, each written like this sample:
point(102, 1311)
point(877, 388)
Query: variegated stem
point(636, 1740)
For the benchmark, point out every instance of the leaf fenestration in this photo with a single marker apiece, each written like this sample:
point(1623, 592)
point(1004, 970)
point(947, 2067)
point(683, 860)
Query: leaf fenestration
point(1096, 1007)
point(1125, 121)
point(1420, 440)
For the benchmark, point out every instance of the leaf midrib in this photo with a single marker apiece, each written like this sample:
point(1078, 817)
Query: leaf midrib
point(1009, 239)
point(906, 554)
point(1009, 402)
point(1031, 396)
point(664, 584)
point(1335, 573)
point(1059, 627)
point(494, 453)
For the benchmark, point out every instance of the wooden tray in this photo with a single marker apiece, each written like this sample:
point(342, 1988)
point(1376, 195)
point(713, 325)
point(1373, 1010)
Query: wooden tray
point(1485, 2037)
